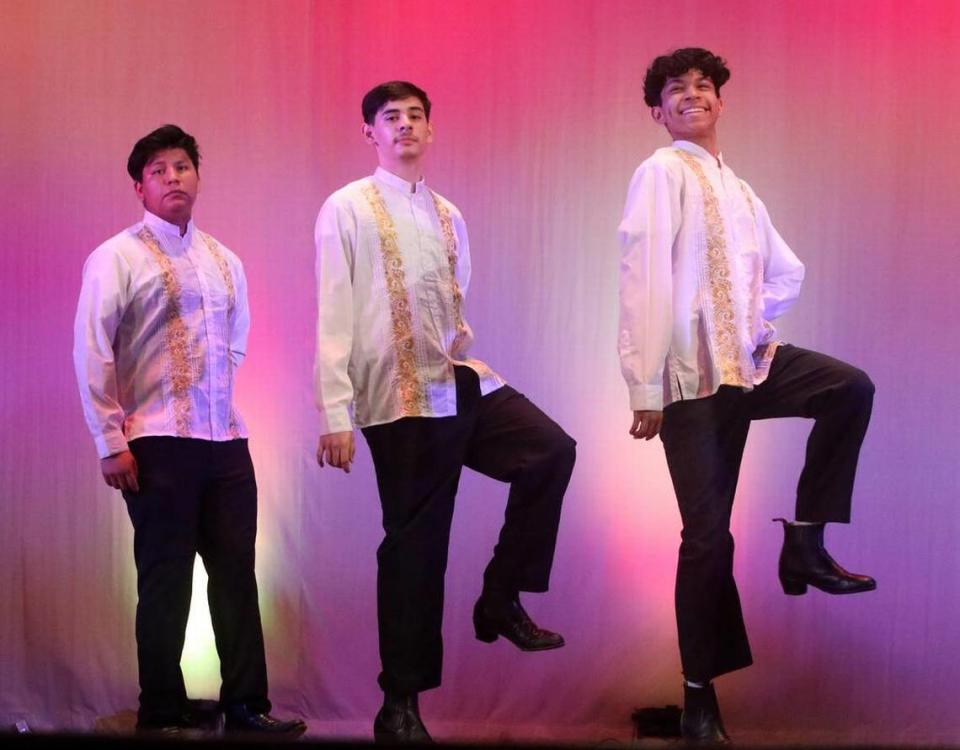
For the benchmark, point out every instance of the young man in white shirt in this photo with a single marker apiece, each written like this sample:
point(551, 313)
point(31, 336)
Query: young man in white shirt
point(393, 266)
point(703, 275)
point(161, 325)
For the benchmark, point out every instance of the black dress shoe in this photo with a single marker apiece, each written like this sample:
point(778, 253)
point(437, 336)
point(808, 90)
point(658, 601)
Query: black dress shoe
point(494, 616)
point(700, 722)
point(170, 725)
point(399, 722)
point(804, 561)
point(161, 730)
point(242, 719)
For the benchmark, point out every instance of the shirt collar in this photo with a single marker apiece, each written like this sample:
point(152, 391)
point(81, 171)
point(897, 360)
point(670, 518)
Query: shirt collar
point(159, 225)
point(693, 148)
point(398, 183)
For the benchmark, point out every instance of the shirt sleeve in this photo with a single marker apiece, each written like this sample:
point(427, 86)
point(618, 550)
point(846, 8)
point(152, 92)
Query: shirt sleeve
point(650, 223)
point(334, 236)
point(103, 299)
point(241, 317)
point(782, 270)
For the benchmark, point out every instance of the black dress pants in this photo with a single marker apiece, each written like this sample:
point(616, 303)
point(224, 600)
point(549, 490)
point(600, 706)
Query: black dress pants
point(418, 461)
point(196, 497)
point(703, 440)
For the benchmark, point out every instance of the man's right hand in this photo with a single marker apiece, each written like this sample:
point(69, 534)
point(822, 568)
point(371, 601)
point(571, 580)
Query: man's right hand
point(646, 424)
point(120, 471)
point(336, 449)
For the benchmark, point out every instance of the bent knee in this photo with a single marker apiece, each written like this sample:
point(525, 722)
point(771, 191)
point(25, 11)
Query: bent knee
point(859, 384)
point(556, 451)
point(564, 449)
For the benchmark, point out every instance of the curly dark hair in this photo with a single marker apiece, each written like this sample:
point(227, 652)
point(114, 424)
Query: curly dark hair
point(679, 62)
point(390, 91)
point(167, 136)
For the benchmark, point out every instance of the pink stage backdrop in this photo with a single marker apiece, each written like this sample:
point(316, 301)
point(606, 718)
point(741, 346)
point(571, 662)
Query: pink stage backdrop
point(844, 117)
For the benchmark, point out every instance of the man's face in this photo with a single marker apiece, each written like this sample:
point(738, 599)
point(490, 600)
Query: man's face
point(400, 131)
point(169, 186)
point(689, 107)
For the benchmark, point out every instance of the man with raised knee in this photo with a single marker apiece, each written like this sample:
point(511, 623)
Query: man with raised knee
point(703, 275)
point(393, 266)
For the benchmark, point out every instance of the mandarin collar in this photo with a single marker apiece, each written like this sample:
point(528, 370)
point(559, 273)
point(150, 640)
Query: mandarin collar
point(398, 183)
point(165, 227)
point(692, 148)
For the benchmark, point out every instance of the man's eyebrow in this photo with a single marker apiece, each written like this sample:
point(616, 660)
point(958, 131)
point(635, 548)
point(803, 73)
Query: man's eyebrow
point(396, 110)
point(679, 79)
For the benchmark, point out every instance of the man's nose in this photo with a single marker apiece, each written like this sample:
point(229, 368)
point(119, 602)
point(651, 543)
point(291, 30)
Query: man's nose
point(171, 175)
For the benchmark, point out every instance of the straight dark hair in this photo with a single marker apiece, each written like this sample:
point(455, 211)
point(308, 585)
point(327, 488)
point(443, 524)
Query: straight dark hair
point(390, 91)
point(164, 137)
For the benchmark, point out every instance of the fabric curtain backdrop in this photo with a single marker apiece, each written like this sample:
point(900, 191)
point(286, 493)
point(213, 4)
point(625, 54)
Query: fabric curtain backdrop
point(843, 117)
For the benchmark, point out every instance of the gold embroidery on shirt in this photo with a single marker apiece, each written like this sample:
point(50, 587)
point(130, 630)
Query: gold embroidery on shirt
point(175, 335)
point(406, 383)
point(450, 241)
point(718, 278)
point(214, 247)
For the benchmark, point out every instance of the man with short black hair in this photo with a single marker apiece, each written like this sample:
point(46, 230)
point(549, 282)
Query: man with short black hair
point(393, 266)
point(161, 326)
point(703, 275)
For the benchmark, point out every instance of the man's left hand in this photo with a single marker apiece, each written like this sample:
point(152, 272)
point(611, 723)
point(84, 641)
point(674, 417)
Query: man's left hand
point(646, 424)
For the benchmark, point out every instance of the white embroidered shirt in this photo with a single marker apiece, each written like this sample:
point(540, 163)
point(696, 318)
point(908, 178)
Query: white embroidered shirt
point(392, 269)
point(161, 323)
point(703, 273)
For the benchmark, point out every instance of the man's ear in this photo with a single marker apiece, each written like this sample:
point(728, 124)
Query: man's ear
point(657, 114)
point(367, 132)
point(138, 189)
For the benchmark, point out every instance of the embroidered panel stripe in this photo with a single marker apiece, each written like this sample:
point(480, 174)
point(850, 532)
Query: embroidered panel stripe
point(178, 370)
point(450, 241)
point(406, 382)
point(214, 247)
point(721, 288)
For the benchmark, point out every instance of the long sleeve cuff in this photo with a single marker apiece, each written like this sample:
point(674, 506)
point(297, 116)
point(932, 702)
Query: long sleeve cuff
point(646, 397)
point(110, 444)
point(335, 420)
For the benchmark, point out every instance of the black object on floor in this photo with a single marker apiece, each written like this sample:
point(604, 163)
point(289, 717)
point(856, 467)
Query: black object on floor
point(656, 722)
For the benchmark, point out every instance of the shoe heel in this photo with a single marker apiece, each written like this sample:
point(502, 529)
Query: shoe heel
point(487, 636)
point(793, 588)
point(481, 628)
point(484, 632)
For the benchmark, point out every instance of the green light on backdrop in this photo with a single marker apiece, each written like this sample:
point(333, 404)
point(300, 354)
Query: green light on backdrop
point(200, 664)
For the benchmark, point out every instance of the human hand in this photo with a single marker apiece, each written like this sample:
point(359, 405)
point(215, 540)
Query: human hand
point(337, 449)
point(646, 424)
point(120, 471)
